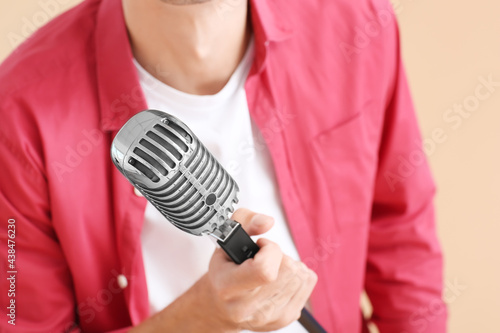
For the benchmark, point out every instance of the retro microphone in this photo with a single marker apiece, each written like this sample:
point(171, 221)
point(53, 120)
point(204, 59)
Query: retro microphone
point(177, 174)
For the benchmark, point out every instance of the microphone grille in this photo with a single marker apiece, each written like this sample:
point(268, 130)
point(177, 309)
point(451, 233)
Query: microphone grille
point(168, 164)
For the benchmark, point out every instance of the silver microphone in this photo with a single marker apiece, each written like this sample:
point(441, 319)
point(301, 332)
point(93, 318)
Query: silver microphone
point(174, 171)
point(177, 174)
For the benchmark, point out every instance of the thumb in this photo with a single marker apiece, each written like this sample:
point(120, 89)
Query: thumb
point(253, 223)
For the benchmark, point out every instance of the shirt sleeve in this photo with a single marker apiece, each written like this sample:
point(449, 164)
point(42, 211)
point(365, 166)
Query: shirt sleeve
point(39, 292)
point(40, 284)
point(404, 265)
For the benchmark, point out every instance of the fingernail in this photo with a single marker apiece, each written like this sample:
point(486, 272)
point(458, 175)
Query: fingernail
point(261, 219)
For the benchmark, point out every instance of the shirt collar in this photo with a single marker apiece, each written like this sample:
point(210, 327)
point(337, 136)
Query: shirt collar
point(269, 25)
point(120, 93)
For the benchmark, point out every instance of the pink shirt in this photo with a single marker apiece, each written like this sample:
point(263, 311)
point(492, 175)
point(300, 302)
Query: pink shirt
point(329, 94)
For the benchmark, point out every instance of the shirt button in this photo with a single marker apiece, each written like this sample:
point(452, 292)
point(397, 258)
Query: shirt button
point(137, 193)
point(122, 281)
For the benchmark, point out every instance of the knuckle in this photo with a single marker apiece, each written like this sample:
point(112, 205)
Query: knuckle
point(289, 265)
point(302, 271)
point(265, 271)
point(264, 311)
point(224, 294)
point(266, 274)
point(296, 267)
point(274, 247)
point(313, 277)
point(288, 261)
point(296, 283)
point(238, 314)
point(256, 321)
point(286, 319)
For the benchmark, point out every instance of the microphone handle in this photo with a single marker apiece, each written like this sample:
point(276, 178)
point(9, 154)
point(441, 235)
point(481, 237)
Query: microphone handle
point(240, 247)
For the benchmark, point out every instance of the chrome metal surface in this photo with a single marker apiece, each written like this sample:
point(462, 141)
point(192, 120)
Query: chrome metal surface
point(167, 163)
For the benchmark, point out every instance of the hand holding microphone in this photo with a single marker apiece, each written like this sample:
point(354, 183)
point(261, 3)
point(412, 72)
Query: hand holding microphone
point(176, 173)
point(262, 294)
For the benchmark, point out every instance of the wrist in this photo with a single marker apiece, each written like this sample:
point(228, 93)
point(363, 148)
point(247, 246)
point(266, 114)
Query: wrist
point(194, 311)
point(205, 311)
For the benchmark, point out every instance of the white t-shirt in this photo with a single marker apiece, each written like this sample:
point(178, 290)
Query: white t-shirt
point(174, 260)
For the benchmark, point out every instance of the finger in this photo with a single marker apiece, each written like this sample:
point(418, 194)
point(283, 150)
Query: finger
point(298, 301)
point(284, 306)
point(253, 223)
point(253, 273)
point(283, 294)
point(290, 280)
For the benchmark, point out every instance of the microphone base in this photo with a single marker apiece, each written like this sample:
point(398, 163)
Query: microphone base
point(238, 245)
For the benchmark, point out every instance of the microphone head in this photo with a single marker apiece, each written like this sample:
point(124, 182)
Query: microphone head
point(175, 172)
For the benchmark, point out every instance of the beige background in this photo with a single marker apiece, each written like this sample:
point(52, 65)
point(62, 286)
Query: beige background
point(447, 45)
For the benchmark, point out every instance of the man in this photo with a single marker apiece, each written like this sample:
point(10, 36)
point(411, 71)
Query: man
point(305, 104)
